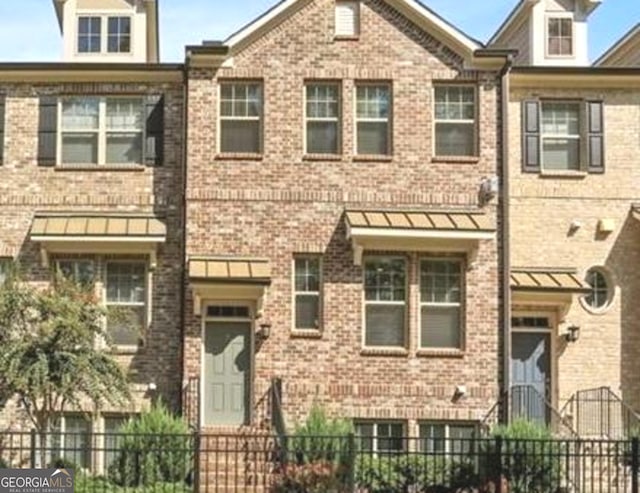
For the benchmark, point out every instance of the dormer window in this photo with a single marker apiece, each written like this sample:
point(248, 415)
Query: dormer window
point(560, 36)
point(100, 34)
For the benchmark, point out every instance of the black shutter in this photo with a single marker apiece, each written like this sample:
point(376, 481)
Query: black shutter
point(531, 136)
point(154, 145)
point(1, 128)
point(48, 131)
point(595, 136)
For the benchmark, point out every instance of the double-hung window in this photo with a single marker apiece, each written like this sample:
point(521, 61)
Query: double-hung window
point(323, 118)
point(241, 117)
point(385, 289)
point(101, 130)
point(71, 440)
point(441, 291)
point(104, 34)
point(112, 438)
point(455, 121)
point(307, 297)
point(381, 437)
point(373, 119)
point(126, 300)
point(560, 36)
point(561, 140)
point(447, 438)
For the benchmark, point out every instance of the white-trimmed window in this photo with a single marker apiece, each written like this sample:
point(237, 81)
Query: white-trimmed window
point(112, 440)
point(561, 140)
point(126, 301)
point(373, 119)
point(322, 118)
point(70, 440)
point(447, 438)
point(307, 292)
point(80, 271)
point(560, 36)
point(347, 18)
point(441, 291)
point(455, 121)
point(104, 34)
point(385, 298)
point(101, 130)
point(381, 437)
point(241, 117)
point(89, 34)
point(600, 295)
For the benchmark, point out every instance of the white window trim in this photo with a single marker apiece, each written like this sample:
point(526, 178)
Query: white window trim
point(374, 437)
point(611, 295)
point(259, 118)
point(387, 120)
point(295, 293)
point(146, 303)
point(102, 131)
point(62, 435)
point(366, 303)
point(578, 137)
point(547, 20)
point(104, 16)
point(307, 119)
point(474, 122)
point(461, 305)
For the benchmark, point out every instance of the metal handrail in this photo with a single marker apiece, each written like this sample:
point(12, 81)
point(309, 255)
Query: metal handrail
point(601, 412)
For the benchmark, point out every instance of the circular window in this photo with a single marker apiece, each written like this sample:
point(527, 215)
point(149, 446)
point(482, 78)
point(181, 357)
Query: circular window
point(601, 292)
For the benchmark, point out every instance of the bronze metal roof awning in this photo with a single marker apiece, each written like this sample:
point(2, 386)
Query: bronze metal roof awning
point(547, 287)
point(458, 231)
point(97, 233)
point(547, 280)
point(229, 279)
point(257, 271)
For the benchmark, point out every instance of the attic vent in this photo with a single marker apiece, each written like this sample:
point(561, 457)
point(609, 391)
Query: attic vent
point(347, 18)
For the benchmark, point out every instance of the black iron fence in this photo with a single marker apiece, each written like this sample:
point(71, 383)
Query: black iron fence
point(202, 462)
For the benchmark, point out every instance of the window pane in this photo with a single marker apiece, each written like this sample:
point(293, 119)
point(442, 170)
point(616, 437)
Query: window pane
point(432, 438)
point(385, 325)
point(125, 282)
point(561, 154)
point(373, 138)
point(390, 437)
point(89, 34)
point(385, 279)
point(598, 297)
point(373, 101)
point(119, 34)
point(307, 311)
point(76, 441)
point(364, 431)
point(125, 114)
point(81, 272)
point(322, 137)
point(455, 139)
point(322, 101)
point(440, 282)
point(440, 327)
point(125, 324)
point(241, 100)
point(80, 114)
point(461, 439)
point(561, 119)
point(124, 148)
point(5, 265)
point(80, 148)
point(112, 426)
point(240, 136)
point(307, 274)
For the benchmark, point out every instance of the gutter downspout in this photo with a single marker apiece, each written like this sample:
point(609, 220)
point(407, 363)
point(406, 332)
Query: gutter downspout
point(506, 236)
point(183, 250)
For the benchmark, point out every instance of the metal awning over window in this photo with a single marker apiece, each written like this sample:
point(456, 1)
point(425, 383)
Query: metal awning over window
point(97, 233)
point(546, 286)
point(416, 231)
point(228, 278)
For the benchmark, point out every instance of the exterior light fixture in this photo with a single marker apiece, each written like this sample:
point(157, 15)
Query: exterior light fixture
point(265, 331)
point(573, 333)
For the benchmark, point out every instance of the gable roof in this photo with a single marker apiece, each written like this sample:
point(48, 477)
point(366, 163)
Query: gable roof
point(523, 7)
point(419, 13)
point(630, 38)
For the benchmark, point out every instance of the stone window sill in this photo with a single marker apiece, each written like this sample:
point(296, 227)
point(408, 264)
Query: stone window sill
point(344, 37)
point(379, 158)
point(456, 159)
point(239, 156)
point(100, 167)
point(306, 334)
point(440, 353)
point(563, 174)
point(396, 352)
point(322, 157)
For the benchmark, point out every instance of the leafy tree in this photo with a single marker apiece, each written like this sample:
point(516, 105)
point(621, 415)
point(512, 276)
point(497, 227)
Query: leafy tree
point(54, 351)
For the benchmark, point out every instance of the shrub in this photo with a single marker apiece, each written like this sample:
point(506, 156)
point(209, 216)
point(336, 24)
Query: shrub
point(154, 448)
point(3, 464)
point(63, 463)
point(316, 477)
point(531, 460)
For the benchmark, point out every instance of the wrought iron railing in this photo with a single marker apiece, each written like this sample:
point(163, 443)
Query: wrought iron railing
point(524, 402)
point(601, 413)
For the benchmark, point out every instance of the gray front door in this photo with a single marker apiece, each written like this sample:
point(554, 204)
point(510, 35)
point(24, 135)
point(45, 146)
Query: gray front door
point(227, 373)
point(530, 375)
